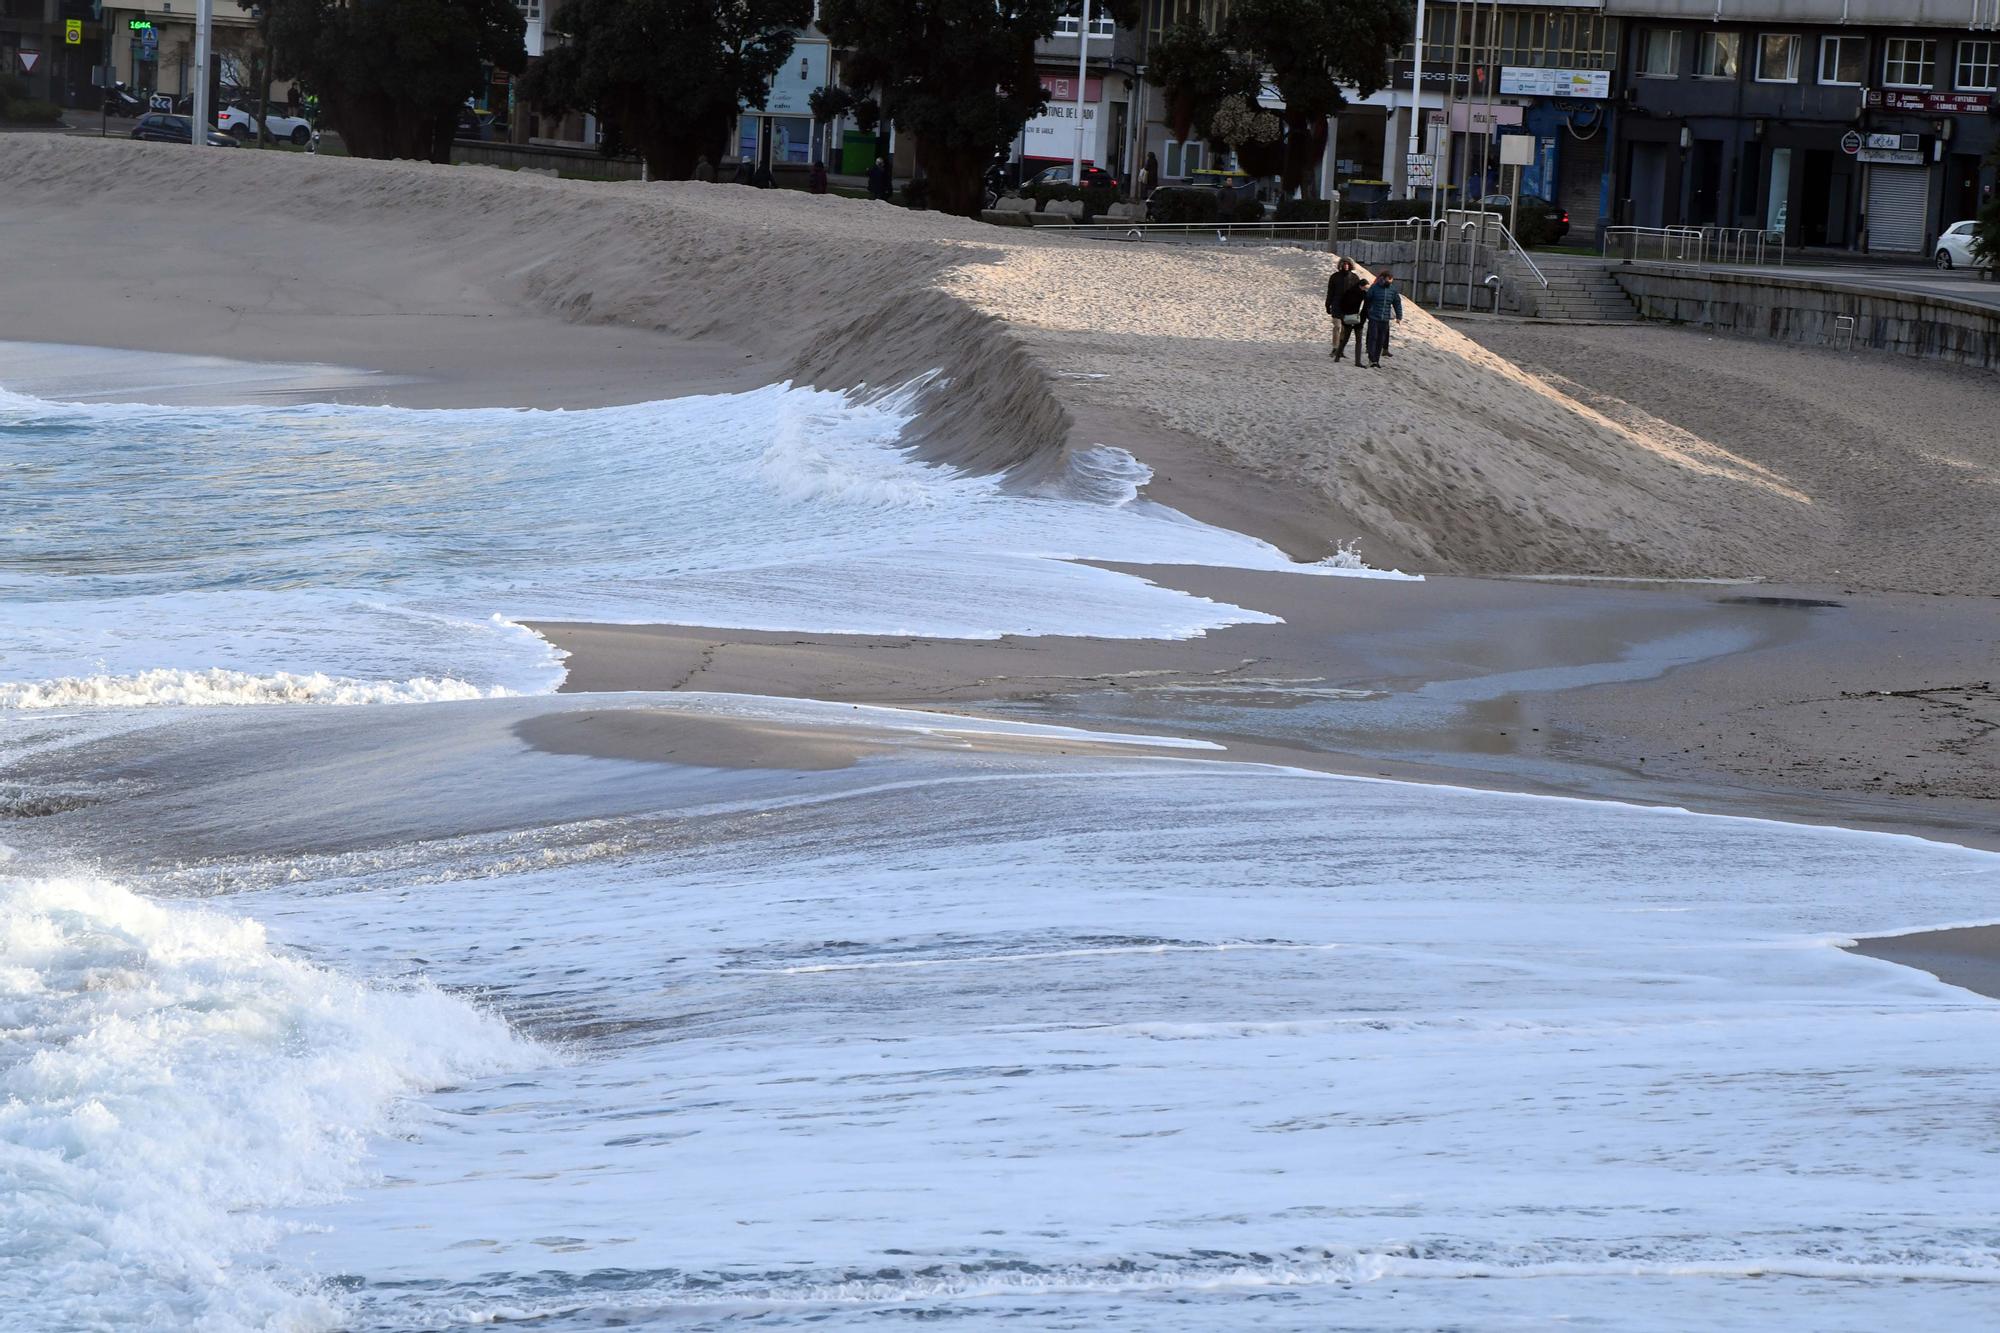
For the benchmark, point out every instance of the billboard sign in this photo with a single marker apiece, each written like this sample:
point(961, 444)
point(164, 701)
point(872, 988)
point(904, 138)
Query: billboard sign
point(1524, 81)
point(795, 81)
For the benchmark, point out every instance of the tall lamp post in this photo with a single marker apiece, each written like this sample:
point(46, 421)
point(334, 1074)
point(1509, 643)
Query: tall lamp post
point(204, 44)
point(1082, 68)
point(1417, 107)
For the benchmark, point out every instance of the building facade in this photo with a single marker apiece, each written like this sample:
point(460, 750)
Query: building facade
point(1546, 69)
point(1847, 124)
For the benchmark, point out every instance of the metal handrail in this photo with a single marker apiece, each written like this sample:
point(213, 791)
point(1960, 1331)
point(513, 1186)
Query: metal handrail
point(1698, 245)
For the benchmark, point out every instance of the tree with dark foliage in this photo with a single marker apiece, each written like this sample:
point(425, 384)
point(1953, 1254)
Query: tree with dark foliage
point(1312, 48)
point(667, 77)
point(392, 75)
point(958, 76)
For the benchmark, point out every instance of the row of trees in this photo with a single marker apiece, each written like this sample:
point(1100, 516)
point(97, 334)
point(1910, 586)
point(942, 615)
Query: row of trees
point(958, 77)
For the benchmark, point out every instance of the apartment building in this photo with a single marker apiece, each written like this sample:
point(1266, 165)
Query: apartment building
point(1848, 124)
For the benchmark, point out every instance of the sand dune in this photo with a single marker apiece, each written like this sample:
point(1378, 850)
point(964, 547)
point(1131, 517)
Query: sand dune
point(1211, 364)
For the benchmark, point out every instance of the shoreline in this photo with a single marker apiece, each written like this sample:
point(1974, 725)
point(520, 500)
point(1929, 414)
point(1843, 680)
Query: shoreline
point(1590, 690)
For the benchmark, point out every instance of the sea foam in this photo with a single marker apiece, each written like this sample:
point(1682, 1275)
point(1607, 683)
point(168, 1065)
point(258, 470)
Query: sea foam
point(167, 1079)
point(380, 548)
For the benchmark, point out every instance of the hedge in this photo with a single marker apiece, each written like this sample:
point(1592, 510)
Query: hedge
point(17, 108)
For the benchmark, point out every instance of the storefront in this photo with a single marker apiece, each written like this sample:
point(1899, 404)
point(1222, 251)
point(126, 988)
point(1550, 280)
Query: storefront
point(1052, 136)
point(781, 131)
point(1569, 113)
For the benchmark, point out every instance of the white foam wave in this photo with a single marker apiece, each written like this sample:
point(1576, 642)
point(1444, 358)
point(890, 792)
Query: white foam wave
point(166, 1080)
point(218, 687)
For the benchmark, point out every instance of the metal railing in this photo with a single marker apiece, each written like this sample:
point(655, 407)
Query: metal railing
point(1695, 245)
point(1438, 248)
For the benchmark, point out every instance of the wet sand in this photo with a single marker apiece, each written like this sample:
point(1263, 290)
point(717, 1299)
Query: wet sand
point(1807, 704)
point(1968, 956)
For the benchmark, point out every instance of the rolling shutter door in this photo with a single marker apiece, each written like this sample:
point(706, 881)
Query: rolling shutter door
point(1896, 208)
point(1582, 171)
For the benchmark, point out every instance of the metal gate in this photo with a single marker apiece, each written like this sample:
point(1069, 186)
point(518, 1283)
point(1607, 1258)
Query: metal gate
point(1582, 169)
point(1896, 207)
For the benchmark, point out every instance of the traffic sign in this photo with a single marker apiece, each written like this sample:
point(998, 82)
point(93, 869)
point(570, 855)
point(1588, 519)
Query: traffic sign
point(1850, 143)
point(73, 32)
point(28, 59)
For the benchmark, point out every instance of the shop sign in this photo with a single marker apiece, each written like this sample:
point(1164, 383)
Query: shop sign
point(1525, 81)
point(1898, 157)
point(1053, 133)
point(1473, 117)
point(1850, 143)
point(1905, 141)
point(1935, 104)
point(140, 25)
point(1062, 87)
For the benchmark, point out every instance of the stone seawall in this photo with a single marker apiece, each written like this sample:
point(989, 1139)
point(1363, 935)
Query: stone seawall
point(1810, 311)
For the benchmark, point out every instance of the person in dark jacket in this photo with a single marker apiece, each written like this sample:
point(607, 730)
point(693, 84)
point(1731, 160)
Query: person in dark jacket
point(1345, 293)
point(1383, 302)
point(744, 171)
point(878, 180)
point(817, 181)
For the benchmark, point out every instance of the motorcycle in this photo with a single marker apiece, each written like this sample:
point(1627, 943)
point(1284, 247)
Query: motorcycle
point(122, 101)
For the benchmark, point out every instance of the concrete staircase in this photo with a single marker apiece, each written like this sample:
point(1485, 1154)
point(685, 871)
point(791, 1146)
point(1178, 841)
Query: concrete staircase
point(1584, 293)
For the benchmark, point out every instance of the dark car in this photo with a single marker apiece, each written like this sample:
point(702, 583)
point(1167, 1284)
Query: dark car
point(159, 127)
point(1059, 174)
point(1539, 218)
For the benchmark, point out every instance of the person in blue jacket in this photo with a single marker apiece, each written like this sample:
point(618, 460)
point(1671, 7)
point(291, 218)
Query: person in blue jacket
point(1384, 302)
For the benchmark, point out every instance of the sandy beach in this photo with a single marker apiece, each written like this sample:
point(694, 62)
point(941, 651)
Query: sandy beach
point(1641, 452)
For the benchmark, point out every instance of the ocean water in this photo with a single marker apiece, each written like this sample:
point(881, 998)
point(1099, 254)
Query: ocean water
point(207, 555)
point(360, 1011)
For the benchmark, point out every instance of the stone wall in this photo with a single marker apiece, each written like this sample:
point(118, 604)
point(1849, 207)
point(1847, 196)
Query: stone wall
point(1805, 310)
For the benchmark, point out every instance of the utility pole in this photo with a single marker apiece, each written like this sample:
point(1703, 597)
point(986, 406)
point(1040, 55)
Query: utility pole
point(1082, 75)
point(204, 45)
point(1417, 110)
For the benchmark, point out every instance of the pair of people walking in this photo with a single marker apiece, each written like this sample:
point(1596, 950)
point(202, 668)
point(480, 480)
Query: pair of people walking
point(1361, 312)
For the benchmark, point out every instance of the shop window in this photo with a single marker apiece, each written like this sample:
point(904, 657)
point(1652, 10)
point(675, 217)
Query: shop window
point(1978, 67)
point(1778, 58)
point(1909, 62)
point(1660, 53)
point(1842, 61)
point(1719, 56)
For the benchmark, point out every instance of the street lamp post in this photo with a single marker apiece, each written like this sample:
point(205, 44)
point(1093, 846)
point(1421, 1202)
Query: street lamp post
point(1417, 106)
point(1082, 68)
point(204, 43)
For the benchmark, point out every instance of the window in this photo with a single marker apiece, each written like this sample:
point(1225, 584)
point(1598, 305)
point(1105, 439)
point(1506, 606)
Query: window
point(1842, 61)
point(1778, 58)
point(1719, 55)
point(1909, 62)
point(1181, 160)
point(1101, 23)
point(1978, 67)
point(1659, 53)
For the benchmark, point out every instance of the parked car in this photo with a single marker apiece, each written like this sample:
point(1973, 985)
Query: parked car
point(477, 125)
point(1059, 174)
point(159, 127)
point(1954, 246)
point(1533, 207)
point(235, 120)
